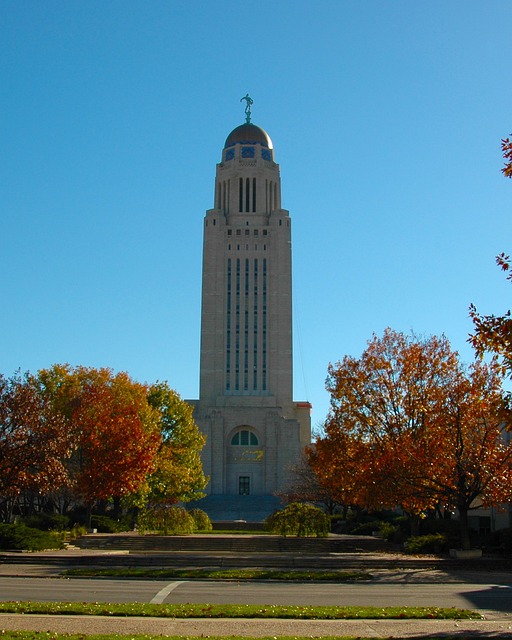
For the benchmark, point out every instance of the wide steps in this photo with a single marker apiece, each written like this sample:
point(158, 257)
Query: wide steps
point(239, 544)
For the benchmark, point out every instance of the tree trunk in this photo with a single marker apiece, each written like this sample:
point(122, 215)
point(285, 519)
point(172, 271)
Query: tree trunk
point(464, 528)
point(89, 516)
point(116, 511)
point(414, 523)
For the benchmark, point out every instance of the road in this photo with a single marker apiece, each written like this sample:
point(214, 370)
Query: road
point(496, 597)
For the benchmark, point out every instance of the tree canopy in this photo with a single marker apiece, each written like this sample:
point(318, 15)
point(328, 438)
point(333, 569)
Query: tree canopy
point(34, 442)
point(493, 334)
point(82, 435)
point(408, 425)
point(178, 472)
point(506, 147)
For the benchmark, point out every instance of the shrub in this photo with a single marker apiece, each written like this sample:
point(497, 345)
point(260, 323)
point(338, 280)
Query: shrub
point(387, 530)
point(201, 519)
point(431, 543)
point(19, 537)
point(76, 531)
point(104, 524)
point(299, 519)
point(366, 528)
point(47, 522)
point(165, 520)
point(390, 532)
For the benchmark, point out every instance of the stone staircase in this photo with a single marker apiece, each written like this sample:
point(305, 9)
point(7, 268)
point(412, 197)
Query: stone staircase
point(232, 508)
point(216, 543)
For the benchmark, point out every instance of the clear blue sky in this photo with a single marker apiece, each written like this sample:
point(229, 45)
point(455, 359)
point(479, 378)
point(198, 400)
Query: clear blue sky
point(386, 118)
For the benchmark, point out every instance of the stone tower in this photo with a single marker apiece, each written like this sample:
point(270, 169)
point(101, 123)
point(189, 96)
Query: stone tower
point(254, 429)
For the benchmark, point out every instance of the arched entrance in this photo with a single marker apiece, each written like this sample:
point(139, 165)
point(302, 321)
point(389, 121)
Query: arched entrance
point(244, 462)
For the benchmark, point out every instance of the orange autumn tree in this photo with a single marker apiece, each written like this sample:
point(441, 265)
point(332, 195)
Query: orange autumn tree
point(34, 442)
point(409, 426)
point(115, 431)
point(493, 334)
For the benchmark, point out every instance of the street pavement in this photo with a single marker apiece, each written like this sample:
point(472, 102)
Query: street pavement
point(493, 624)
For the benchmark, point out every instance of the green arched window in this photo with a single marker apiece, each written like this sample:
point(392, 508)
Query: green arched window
point(244, 438)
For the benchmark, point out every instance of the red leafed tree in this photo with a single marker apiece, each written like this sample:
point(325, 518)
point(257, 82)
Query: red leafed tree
point(506, 147)
point(34, 442)
point(493, 334)
point(408, 425)
point(116, 433)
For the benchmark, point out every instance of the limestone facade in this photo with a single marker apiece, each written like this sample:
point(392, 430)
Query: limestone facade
point(254, 429)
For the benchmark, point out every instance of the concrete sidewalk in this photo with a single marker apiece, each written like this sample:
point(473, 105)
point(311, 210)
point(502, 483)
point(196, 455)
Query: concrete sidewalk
point(498, 627)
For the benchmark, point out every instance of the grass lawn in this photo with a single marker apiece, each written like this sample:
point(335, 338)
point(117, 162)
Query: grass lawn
point(219, 574)
point(235, 611)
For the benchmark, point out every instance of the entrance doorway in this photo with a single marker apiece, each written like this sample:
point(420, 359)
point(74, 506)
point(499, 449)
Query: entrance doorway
point(244, 485)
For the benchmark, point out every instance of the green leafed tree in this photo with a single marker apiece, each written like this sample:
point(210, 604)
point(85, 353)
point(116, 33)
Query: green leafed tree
point(178, 473)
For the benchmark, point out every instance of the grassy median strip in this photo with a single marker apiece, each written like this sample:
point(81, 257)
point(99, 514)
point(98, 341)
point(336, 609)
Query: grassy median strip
point(236, 611)
point(219, 574)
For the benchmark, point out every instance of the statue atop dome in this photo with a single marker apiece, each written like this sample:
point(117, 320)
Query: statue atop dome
point(248, 103)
